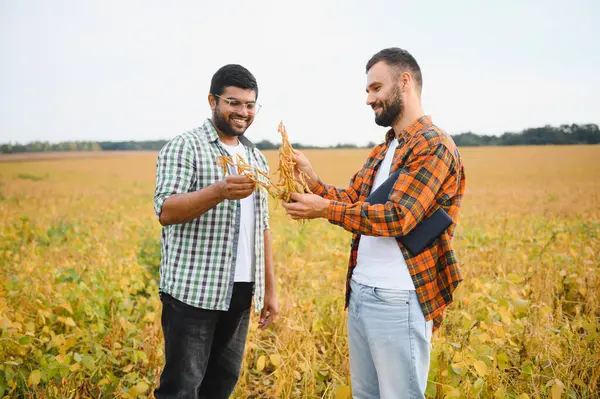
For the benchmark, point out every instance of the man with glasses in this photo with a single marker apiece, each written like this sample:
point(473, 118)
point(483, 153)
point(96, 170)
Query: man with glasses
point(216, 247)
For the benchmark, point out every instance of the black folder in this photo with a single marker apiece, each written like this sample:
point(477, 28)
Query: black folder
point(424, 233)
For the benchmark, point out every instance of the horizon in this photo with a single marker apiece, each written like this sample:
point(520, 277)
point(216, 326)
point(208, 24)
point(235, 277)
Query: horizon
point(279, 142)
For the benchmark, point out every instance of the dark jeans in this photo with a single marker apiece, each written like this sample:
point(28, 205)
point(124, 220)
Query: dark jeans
point(203, 348)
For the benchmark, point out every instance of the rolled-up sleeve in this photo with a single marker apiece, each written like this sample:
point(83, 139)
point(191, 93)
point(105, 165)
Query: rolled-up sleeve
point(175, 171)
point(413, 194)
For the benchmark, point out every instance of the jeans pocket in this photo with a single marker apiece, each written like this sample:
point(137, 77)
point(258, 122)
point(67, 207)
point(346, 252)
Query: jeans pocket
point(391, 296)
point(185, 311)
point(177, 308)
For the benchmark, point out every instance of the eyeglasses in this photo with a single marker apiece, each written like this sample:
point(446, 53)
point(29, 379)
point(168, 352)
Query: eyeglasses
point(252, 106)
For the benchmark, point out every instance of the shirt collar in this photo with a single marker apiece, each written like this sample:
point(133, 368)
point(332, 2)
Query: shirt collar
point(415, 127)
point(213, 136)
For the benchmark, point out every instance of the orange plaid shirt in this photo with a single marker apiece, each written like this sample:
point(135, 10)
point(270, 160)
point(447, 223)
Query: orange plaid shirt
point(432, 176)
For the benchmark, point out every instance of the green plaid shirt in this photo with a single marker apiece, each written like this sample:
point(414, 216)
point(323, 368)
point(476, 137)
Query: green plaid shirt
point(198, 257)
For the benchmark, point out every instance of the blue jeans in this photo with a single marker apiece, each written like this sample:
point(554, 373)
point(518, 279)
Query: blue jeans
point(389, 342)
point(203, 348)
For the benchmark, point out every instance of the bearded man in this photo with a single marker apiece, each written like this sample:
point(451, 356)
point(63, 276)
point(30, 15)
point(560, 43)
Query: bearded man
point(396, 298)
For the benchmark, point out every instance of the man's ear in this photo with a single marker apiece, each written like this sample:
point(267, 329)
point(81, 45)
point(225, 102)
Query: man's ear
point(212, 101)
point(404, 80)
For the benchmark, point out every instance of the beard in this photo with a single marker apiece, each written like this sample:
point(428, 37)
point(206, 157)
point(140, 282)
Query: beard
point(224, 125)
point(391, 109)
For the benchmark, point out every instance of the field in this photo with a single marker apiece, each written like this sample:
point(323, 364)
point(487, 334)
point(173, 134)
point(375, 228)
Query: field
point(80, 315)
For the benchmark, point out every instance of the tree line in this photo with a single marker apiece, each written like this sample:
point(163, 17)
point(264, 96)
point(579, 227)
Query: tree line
point(546, 135)
point(563, 134)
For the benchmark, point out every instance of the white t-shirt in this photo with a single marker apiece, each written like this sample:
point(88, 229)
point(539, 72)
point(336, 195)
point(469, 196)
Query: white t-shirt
point(244, 266)
point(380, 262)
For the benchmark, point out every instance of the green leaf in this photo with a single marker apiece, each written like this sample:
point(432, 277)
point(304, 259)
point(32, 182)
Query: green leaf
point(579, 382)
point(69, 276)
point(141, 355)
point(478, 384)
point(88, 362)
point(515, 278)
point(34, 377)
point(503, 361)
point(522, 306)
point(452, 393)
point(457, 368)
point(431, 391)
point(50, 373)
point(140, 388)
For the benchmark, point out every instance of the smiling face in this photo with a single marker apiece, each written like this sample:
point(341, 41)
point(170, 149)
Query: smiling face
point(232, 120)
point(384, 93)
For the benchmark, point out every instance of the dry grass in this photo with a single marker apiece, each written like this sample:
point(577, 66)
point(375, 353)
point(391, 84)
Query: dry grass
point(46, 156)
point(79, 312)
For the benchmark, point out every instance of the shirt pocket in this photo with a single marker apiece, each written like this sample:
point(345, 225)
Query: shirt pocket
point(208, 170)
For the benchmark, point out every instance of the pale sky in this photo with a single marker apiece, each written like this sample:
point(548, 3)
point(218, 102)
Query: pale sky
point(137, 70)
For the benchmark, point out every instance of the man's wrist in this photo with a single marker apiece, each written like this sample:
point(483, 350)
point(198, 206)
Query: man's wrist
point(219, 190)
point(312, 181)
point(325, 210)
point(270, 289)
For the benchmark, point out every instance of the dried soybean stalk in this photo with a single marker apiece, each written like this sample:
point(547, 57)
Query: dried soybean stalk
point(253, 173)
point(288, 183)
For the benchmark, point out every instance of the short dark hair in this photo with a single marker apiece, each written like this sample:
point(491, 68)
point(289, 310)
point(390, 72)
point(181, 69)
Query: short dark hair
point(232, 75)
point(399, 58)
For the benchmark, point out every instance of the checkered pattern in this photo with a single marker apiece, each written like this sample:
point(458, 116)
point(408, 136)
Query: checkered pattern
point(198, 257)
point(432, 176)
